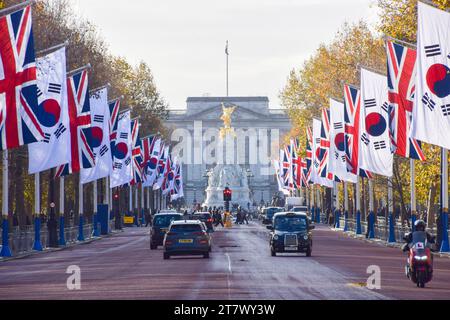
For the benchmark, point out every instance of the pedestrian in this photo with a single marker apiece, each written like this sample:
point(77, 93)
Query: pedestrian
point(148, 218)
point(218, 219)
point(244, 217)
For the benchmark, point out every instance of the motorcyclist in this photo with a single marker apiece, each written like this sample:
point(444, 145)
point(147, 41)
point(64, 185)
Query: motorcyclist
point(420, 226)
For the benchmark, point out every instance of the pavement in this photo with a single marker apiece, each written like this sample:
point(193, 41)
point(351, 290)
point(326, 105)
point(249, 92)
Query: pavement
point(240, 267)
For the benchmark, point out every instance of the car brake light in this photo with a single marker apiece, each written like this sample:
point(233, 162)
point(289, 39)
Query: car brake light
point(210, 220)
point(203, 241)
point(168, 242)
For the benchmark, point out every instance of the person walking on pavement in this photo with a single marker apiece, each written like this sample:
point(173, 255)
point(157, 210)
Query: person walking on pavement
point(218, 218)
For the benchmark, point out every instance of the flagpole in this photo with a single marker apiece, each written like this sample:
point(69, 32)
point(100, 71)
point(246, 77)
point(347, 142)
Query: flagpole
point(16, 7)
point(95, 217)
point(62, 239)
point(358, 206)
point(346, 206)
point(52, 49)
point(227, 54)
point(6, 251)
point(413, 187)
point(37, 210)
point(130, 207)
point(142, 203)
point(390, 205)
point(108, 200)
point(371, 220)
point(80, 211)
point(445, 247)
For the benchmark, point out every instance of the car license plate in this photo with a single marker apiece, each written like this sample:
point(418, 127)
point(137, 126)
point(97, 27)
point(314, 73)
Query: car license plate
point(185, 241)
point(290, 249)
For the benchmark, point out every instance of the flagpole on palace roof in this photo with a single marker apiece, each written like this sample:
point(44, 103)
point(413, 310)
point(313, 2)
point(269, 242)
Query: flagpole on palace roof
point(227, 54)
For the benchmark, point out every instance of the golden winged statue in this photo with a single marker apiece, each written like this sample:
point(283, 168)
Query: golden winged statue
point(226, 118)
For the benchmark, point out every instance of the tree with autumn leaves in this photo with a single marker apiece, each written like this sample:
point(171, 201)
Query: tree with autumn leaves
point(309, 88)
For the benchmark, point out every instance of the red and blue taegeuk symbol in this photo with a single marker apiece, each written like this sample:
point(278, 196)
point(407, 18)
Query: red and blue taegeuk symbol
point(120, 150)
point(438, 80)
point(153, 163)
point(96, 137)
point(339, 141)
point(49, 113)
point(375, 124)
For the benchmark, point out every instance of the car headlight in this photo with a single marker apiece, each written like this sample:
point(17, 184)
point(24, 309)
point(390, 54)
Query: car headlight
point(305, 237)
point(421, 258)
point(275, 237)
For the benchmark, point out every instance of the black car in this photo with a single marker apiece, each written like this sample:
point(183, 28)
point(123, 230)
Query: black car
point(161, 223)
point(206, 218)
point(291, 232)
point(268, 214)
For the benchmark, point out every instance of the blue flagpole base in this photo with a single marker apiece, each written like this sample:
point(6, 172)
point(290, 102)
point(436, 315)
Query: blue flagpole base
point(358, 223)
point(371, 225)
point(346, 221)
point(62, 238)
point(337, 221)
point(318, 215)
point(96, 232)
point(445, 246)
point(136, 221)
point(413, 221)
point(6, 250)
point(80, 229)
point(391, 228)
point(37, 245)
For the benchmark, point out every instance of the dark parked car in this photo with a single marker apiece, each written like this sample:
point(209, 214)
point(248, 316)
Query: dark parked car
point(161, 223)
point(269, 212)
point(206, 218)
point(188, 237)
point(291, 232)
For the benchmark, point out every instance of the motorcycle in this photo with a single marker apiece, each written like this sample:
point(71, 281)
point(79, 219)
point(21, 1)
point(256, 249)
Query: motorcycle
point(419, 267)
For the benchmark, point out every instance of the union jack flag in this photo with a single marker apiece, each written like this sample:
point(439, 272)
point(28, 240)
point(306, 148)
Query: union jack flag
point(137, 154)
point(303, 173)
point(296, 163)
point(82, 154)
point(323, 152)
point(148, 144)
point(309, 144)
point(352, 104)
point(177, 191)
point(114, 107)
point(286, 168)
point(161, 168)
point(18, 88)
point(402, 86)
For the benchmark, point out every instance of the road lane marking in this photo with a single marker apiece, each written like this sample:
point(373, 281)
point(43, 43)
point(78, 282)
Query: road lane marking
point(229, 263)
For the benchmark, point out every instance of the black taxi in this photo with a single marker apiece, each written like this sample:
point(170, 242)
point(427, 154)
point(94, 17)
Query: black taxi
point(291, 232)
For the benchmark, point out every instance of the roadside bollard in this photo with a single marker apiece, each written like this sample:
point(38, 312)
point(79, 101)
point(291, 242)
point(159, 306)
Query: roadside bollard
point(80, 229)
point(62, 238)
point(391, 228)
point(337, 217)
point(346, 221)
point(371, 225)
point(358, 222)
point(96, 232)
point(6, 250)
point(37, 245)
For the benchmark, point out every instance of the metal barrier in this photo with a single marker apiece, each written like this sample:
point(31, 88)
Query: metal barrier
point(381, 228)
point(21, 240)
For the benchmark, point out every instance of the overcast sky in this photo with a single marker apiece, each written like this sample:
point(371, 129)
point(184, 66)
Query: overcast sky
point(183, 41)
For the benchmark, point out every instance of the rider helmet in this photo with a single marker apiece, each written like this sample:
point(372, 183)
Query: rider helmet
point(420, 225)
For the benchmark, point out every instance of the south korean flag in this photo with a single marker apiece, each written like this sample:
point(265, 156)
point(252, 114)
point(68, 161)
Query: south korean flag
point(431, 113)
point(337, 161)
point(53, 114)
point(375, 144)
point(99, 138)
point(121, 167)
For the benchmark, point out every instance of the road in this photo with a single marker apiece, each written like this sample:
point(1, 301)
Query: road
point(240, 267)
